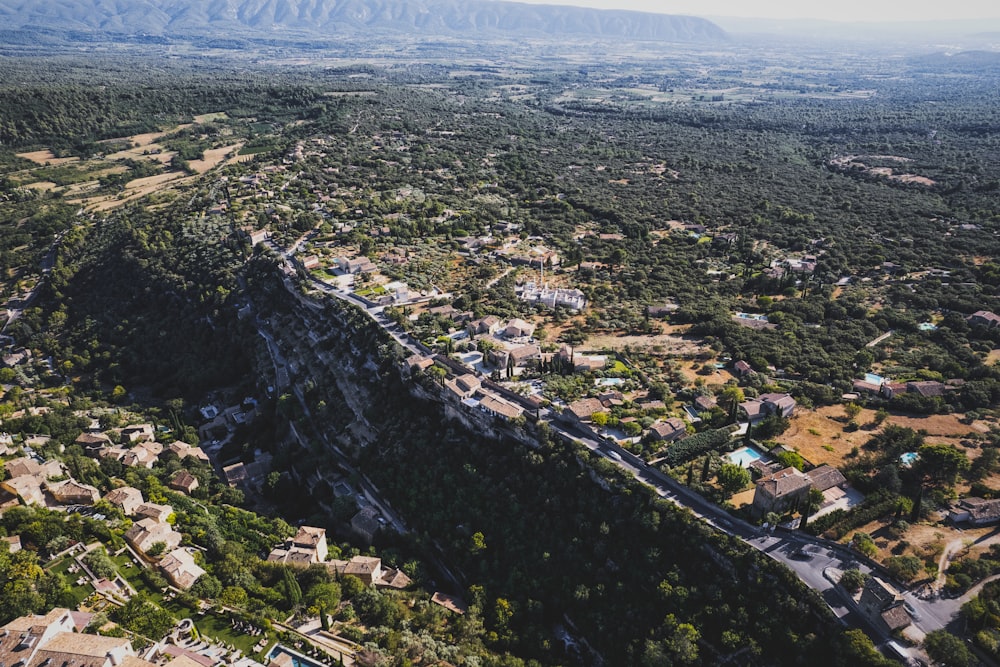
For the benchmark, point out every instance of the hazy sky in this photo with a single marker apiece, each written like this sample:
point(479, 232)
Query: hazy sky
point(837, 10)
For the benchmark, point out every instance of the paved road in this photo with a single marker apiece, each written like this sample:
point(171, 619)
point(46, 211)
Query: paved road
point(374, 312)
point(808, 557)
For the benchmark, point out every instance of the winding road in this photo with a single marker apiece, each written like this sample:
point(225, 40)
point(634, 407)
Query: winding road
point(812, 559)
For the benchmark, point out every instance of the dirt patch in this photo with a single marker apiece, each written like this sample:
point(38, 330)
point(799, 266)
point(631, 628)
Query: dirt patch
point(209, 117)
point(819, 435)
point(913, 178)
point(44, 186)
point(661, 344)
point(742, 498)
point(152, 152)
point(47, 157)
point(215, 156)
point(140, 187)
point(993, 357)
point(689, 369)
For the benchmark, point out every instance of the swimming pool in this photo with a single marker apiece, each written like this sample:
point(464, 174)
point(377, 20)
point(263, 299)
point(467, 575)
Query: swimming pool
point(744, 456)
point(927, 326)
point(298, 660)
point(908, 458)
point(874, 379)
point(609, 382)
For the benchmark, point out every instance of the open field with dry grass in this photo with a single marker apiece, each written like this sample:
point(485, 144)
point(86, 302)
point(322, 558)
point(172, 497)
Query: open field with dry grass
point(47, 157)
point(143, 147)
point(659, 344)
point(214, 156)
point(140, 187)
point(820, 437)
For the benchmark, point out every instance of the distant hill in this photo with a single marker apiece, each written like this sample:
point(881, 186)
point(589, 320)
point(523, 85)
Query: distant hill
point(923, 34)
point(283, 18)
point(959, 61)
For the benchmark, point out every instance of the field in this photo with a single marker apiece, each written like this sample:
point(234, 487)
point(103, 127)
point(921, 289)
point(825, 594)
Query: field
point(663, 343)
point(820, 435)
point(214, 156)
point(140, 187)
point(47, 157)
point(76, 179)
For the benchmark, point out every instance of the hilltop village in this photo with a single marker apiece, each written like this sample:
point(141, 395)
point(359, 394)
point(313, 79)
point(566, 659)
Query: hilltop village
point(560, 364)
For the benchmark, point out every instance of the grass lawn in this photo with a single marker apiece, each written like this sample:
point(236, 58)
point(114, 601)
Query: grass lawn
point(618, 367)
point(134, 576)
point(79, 593)
point(219, 629)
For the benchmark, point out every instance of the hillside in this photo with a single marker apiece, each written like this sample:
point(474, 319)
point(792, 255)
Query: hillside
point(271, 18)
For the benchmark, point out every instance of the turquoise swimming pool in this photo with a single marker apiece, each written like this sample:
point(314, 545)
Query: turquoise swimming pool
point(298, 659)
point(874, 379)
point(908, 458)
point(744, 456)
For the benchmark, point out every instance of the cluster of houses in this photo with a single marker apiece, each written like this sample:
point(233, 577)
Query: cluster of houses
point(889, 390)
point(137, 447)
point(56, 639)
point(463, 386)
point(45, 483)
point(152, 536)
point(308, 547)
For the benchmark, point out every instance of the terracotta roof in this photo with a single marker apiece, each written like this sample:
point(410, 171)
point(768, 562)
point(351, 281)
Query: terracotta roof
point(450, 602)
point(705, 403)
point(184, 481)
point(498, 406)
point(180, 568)
point(394, 579)
point(124, 495)
point(669, 429)
point(784, 482)
point(154, 511)
point(825, 477)
point(309, 536)
point(585, 407)
point(780, 401)
point(363, 566)
point(870, 387)
point(72, 491)
point(22, 466)
point(927, 388)
point(896, 618)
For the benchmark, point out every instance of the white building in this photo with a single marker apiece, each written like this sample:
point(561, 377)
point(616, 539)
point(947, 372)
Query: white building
point(552, 297)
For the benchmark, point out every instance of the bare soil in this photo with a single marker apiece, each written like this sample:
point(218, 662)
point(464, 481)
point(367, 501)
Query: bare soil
point(44, 186)
point(820, 437)
point(666, 342)
point(215, 156)
point(47, 157)
point(140, 187)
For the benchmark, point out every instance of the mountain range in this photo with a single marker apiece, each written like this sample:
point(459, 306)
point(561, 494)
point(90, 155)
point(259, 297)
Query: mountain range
point(284, 18)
